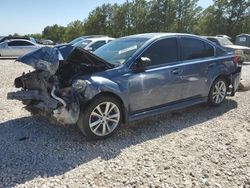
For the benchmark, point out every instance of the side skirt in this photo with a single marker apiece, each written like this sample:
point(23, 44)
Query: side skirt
point(167, 108)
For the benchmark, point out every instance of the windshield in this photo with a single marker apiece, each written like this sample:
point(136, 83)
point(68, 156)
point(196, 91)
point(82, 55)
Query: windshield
point(224, 41)
point(119, 51)
point(82, 43)
point(76, 40)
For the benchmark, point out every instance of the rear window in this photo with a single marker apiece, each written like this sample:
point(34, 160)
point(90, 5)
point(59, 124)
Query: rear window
point(97, 45)
point(195, 49)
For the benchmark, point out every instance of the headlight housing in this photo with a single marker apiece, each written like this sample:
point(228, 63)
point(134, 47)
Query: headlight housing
point(80, 84)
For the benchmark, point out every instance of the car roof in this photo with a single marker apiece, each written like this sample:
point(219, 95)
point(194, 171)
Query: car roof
point(214, 37)
point(91, 36)
point(159, 35)
point(11, 40)
point(100, 38)
point(243, 34)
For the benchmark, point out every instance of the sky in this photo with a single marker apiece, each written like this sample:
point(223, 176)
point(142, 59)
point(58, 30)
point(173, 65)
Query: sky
point(31, 16)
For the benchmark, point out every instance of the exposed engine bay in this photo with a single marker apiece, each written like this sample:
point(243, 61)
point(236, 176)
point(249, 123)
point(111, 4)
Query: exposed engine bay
point(55, 88)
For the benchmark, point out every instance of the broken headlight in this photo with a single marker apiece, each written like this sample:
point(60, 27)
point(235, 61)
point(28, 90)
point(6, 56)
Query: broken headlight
point(80, 84)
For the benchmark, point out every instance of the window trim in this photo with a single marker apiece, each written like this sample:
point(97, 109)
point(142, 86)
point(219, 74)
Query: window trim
point(200, 39)
point(164, 64)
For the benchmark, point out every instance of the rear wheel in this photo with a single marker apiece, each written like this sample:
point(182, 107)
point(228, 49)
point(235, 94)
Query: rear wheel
point(101, 118)
point(217, 92)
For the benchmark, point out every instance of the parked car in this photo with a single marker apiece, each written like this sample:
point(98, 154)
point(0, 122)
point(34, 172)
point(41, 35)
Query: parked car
point(78, 39)
point(225, 36)
point(47, 42)
point(244, 40)
point(17, 47)
point(240, 51)
point(127, 79)
point(92, 44)
point(2, 39)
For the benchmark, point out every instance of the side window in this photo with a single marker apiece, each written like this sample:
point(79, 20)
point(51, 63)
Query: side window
point(163, 51)
point(97, 45)
point(26, 43)
point(20, 43)
point(209, 50)
point(13, 43)
point(195, 49)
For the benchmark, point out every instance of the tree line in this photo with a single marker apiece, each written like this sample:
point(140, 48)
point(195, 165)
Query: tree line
point(230, 17)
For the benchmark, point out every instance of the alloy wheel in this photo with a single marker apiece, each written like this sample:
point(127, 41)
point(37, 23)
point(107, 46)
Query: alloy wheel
point(104, 118)
point(219, 92)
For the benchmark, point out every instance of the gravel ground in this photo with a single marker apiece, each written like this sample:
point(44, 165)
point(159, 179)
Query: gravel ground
point(196, 147)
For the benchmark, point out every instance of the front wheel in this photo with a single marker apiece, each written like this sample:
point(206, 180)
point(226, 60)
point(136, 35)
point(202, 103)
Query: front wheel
point(217, 92)
point(101, 118)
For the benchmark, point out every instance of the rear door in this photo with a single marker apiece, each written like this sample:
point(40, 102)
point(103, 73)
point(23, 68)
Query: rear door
point(197, 57)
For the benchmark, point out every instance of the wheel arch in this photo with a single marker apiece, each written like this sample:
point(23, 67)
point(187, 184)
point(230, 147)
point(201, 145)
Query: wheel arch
point(113, 95)
point(224, 76)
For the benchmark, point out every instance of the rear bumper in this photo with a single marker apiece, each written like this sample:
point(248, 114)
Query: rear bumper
point(235, 80)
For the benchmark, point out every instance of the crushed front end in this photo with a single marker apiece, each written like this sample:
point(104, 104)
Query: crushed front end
point(54, 89)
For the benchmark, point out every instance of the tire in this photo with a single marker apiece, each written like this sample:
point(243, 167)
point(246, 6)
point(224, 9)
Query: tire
point(218, 92)
point(101, 118)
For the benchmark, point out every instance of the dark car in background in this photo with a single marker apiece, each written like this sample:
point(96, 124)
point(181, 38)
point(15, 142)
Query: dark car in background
point(127, 79)
point(244, 40)
point(242, 52)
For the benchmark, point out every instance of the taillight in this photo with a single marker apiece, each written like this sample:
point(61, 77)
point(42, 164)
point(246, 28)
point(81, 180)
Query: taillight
point(235, 60)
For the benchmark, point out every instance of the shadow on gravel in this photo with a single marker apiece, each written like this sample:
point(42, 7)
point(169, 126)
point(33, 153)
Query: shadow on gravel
point(31, 147)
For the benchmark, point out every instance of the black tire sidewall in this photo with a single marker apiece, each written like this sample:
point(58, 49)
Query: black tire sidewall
point(83, 122)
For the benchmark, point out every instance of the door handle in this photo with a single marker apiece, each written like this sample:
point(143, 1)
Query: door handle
point(176, 71)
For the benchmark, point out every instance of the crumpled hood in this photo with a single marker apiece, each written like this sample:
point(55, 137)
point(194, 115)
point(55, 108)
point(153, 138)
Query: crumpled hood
point(48, 58)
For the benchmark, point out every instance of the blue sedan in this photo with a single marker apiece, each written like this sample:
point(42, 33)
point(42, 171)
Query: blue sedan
point(127, 79)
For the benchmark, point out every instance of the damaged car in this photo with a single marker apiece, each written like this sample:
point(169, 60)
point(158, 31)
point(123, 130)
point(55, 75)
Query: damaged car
point(127, 79)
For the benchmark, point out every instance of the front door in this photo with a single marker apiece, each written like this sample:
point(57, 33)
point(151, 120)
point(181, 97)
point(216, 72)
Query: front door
point(161, 82)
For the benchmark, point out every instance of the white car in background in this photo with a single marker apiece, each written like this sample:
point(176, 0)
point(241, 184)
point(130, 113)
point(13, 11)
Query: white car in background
point(92, 44)
point(17, 47)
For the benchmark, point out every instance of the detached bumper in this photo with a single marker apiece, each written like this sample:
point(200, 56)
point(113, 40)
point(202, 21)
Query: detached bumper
point(45, 101)
point(52, 107)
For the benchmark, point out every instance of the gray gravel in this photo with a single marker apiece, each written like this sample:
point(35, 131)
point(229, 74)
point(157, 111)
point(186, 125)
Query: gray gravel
point(196, 147)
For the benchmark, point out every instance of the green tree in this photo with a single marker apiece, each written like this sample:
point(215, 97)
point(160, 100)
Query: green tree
point(54, 33)
point(99, 20)
point(187, 15)
point(225, 17)
point(73, 30)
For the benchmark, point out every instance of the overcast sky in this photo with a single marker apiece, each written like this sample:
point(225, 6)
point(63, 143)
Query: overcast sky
point(31, 16)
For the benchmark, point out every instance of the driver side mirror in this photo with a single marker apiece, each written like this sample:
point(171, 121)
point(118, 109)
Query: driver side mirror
point(141, 63)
